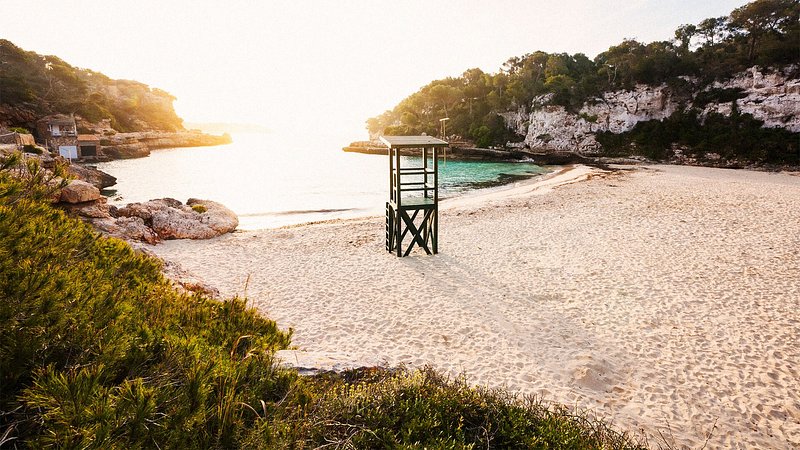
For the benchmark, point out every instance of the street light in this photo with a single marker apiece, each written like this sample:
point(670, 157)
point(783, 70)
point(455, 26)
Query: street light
point(443, 127)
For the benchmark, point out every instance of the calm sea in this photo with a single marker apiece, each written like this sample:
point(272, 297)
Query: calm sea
point(271, 180)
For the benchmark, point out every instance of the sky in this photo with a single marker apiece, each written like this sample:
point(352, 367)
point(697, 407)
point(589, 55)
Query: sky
point(320, 66)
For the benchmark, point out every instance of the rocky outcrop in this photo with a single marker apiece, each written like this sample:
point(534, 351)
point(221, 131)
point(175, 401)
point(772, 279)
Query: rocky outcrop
point(186, 280)
point(137, 145)
point(14, 115)
point(772, 97)
point(769, 96)
point(156, 220)
point(98, 178)
point(170, 219)
point(78, 191)
point(126, 228)
point(19, 139)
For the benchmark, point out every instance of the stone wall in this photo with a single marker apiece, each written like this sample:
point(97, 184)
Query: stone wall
point(18, 139)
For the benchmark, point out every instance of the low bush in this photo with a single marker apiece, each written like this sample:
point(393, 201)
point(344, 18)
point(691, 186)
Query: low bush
point(738, 137)
point(28, 148)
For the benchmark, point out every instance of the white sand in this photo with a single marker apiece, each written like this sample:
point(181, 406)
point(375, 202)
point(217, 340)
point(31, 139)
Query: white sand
point(666, 299)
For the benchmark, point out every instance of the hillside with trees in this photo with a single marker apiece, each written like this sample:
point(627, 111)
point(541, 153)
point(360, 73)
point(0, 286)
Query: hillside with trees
point(764, 33)
point(33, 85)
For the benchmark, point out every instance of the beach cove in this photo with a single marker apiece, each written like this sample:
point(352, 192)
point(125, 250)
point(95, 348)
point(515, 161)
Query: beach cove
point(665, 298)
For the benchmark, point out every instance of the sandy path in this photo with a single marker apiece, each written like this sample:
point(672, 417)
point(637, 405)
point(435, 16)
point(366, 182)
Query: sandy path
point(666, 299)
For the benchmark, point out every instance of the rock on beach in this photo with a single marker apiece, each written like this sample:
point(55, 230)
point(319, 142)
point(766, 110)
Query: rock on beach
point(78, 191)
point(151, 221)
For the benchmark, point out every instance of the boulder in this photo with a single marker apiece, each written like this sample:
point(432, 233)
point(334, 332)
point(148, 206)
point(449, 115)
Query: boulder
point(170, 219)
point(78, 191)
point(216, 215)
point(96, 209)
point(126, 228)
point(147, 209)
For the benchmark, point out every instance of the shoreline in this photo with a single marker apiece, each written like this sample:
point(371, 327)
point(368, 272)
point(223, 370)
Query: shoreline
point(541, 182)
point(663, 298)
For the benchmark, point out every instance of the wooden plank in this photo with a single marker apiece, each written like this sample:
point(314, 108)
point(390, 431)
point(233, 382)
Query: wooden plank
point(417, 203)
point(412, 141)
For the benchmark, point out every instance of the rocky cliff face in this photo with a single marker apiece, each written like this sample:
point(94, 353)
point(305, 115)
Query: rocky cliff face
point(773, 97)
point(769, 96)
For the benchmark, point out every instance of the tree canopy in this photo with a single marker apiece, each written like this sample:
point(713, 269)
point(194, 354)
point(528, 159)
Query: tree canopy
point(47, 85)
point(763, 33)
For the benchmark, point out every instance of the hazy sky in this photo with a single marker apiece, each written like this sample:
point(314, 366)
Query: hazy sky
point(323, 64)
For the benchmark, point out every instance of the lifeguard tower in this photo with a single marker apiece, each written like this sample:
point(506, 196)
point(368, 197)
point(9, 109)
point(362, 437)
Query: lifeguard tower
point(403, 211)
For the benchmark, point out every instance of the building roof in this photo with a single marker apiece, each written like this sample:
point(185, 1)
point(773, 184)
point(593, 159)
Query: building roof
point(412, 141)
point(88, 137)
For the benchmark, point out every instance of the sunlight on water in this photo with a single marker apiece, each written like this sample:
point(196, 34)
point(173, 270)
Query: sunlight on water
point(271, 180)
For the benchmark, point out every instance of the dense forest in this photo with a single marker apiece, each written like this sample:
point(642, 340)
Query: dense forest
point(763, 33)
point(33, 85)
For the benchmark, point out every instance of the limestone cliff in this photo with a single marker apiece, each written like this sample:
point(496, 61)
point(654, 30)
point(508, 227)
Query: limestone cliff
point(770, 96)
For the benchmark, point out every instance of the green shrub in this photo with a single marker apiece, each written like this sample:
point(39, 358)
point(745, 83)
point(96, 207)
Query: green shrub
point(376, 408)
point(200, 209)
point(28, 148)
point(738, 137)
point(20, 130)
point(96, 347)
point(716, 95)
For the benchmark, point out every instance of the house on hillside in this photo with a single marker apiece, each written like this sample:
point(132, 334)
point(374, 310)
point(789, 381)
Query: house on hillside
point(59, 134)
point(88, 146)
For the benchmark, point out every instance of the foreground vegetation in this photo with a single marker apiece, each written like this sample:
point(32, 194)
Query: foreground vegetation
point(98, 350)
point(763, 33)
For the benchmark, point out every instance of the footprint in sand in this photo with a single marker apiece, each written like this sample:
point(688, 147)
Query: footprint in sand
point(594, 374)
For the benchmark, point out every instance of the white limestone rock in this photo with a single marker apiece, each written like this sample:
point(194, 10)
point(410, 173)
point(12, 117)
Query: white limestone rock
point(552, 128)
point(772, 97)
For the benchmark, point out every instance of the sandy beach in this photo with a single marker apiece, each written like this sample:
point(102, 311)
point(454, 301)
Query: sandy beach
point(664, 298)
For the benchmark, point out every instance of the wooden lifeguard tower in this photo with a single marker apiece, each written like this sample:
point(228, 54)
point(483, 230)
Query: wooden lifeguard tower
point(402, 211)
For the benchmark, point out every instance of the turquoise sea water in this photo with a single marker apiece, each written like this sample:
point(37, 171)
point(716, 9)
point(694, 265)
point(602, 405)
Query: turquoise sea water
point(271, 180)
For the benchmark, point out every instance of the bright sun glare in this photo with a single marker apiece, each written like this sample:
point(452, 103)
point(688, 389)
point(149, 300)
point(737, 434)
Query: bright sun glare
point(324, 66)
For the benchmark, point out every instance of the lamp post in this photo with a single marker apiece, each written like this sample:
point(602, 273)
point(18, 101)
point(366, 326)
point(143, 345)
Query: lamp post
point(443, 127)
